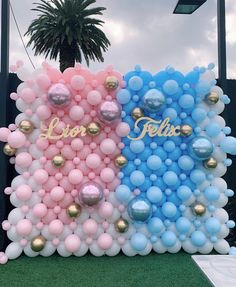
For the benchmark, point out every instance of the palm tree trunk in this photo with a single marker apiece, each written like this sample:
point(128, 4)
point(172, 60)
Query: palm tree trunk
point(67, 57)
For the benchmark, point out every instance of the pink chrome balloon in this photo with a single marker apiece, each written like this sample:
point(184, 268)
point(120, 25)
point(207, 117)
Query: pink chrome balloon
point(59, 96)
point(90, 193)
point(109, 111)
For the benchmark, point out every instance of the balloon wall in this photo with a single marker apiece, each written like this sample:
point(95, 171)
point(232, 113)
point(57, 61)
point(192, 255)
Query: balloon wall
point(109, 163)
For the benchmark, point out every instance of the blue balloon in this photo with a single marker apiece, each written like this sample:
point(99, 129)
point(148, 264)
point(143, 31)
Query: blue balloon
point(137, 178)
point(154, 162)
point(200, 148)
point(138, 241)
point(183, 225)
point(155, 225)
point(139, 209)
point(153, 100)
point(123, 96)
point(212, 193)
point(185, 162)
point(184, 192)
point(128, 153)
point(168, 238)
point(169, 209)
point(203, 87)
point(228, 145)
point(129, 168)
point(135, 83)
point(175, 154)
point(170, 178)
point(161, 77)
point(198, 238)
point(192, 77)
point(170, 113)
point(137, 146)
point(170, 87)
point(197, 176)
point(213, 129)
point(154, 194)
point(212, 225)
point(123, 193)
point(186, 101)
point(199, 115)
point(169, 146)
point(159, 151)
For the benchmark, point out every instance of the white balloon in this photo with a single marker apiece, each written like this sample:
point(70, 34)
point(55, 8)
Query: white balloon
point(208, 76)
point(13, 235)
point(66, 231)
point(35, 166)
point(15, 215)
point(222, 201)
point(158, 247)
point(15, 201)
point(220, 183)
point(38, 102)
point(13, 250)
point(222, 246)
point(61, 249)
point(34, 199)
point(220, 170)
point(21, 105)
point(45, 232)
point(29, 252)
point(189, 247)
point(206, 248)
point(146, 250)
point(48, 249)
point(21, 87)
point(221, 214)
point(176, 248)
point(33, 233)
point(34, 135)
point(128, 250)
point(114, 250)
point(95, 250)
point(35, 152)
point(82, 250)
point(115, 215)
point(224, 232)
point(218, 154)
point(18, 180)
point(20, 118)
point(218, 90)
point(218, 107)
point(24, 74)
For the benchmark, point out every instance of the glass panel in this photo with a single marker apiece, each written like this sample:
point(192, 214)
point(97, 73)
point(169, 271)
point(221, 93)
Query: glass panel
point(186, 8)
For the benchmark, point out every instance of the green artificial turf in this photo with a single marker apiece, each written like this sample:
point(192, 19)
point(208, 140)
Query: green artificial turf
point(167, 270)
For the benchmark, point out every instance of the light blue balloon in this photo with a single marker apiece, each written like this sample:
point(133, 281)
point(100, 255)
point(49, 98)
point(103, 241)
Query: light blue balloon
point(212, 225)
point(138, 241)
point(170, 113)
point(212, 193)
point(228, 145)
point(137, 146)
point(213, 129)
point(185, 162)
point(137, 178)
point(169, 209)
point(170, 178)
point(200, 148)
point(169, 146)
point(186, 101)
point(135, 83)
point(123, 193)
point(184, 192)
point(155, 225)
point(199, 115)
point(170, 87)
point(168, 238)
point(123, 96)
point(154, 194)
point(203, 87)
point(197, 176)
point(154, 162)
point(183, 225)
point(198, 238)
point(153, 100)
point(140, 209)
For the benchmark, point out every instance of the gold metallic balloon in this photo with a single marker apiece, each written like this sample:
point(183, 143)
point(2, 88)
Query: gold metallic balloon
point(93, 129)
point(120, 161)
point(212, 98)
point(198, 209)
point(58, 161)
point(73, 210)
point(121, 225)
point(186, 130)
point(111, 83)
point(38, 243)
point(137, 113)
point(8, 150)
point(26, 127)
point(210, 163)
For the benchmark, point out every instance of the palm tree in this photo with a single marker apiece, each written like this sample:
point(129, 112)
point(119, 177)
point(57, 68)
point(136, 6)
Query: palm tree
point(67, 28)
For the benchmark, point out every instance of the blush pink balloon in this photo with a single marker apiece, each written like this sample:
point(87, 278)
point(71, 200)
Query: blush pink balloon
point(24, 227)
point(93, 160)
point(54, 75)
point(64, 183)
point(23, 159)
point(76, 113)
point(4, 133)
point(94, 98)
point(48, 201)
point(105, 210)
point(107, 175)
point(56, 227)
point(90, 227)
point(57, 193)
point(42, 144)
point(43, 81)
point(68, 74)
point(67, 167)
point(43, 112)
point(63, 216)
point(75, 176)
point(77, 144)
point(16, 139)
point(50, 184)
point(105, 241)
point(24, 192)
point(77, 82)
point(28, 95)
point(72, 243)
point(40, 210)
point(108, 146)
point(122, 129)
point(40, 176)
point(68, 152)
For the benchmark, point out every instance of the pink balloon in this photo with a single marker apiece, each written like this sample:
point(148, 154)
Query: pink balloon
point(108, 146)
point(107, 175)
point(68, 74)
point(28, 95)
point(72, 243)
point(94, 98)
point(48, 201)
point(54, 75)
point(23, 159)
point(24, 227)
point(67, 167)
point(16, 139)
point(43, 81)
point(42, 144)
point(56, 227)
point(75, 176)
point(105, 210)
point(40, 210)
point(105, 241)
point(68, 152)
point(4, 133)
point(77, 144)
point(24, 192)
point(57, 193)
point(90, 227)
point(63, 216)
point(43, 112)
point(122, 129)
point(64, 183)
point(49, 217)
point(93, 160)
point(40, 176)
point(76, 113)
point(77, 82)
point(50, 184)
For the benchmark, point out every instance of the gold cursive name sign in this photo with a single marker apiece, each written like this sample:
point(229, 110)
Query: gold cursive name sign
point(160, 128)
point(68, 131)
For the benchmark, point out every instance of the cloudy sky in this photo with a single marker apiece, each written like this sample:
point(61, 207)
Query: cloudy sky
point(147, 33)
